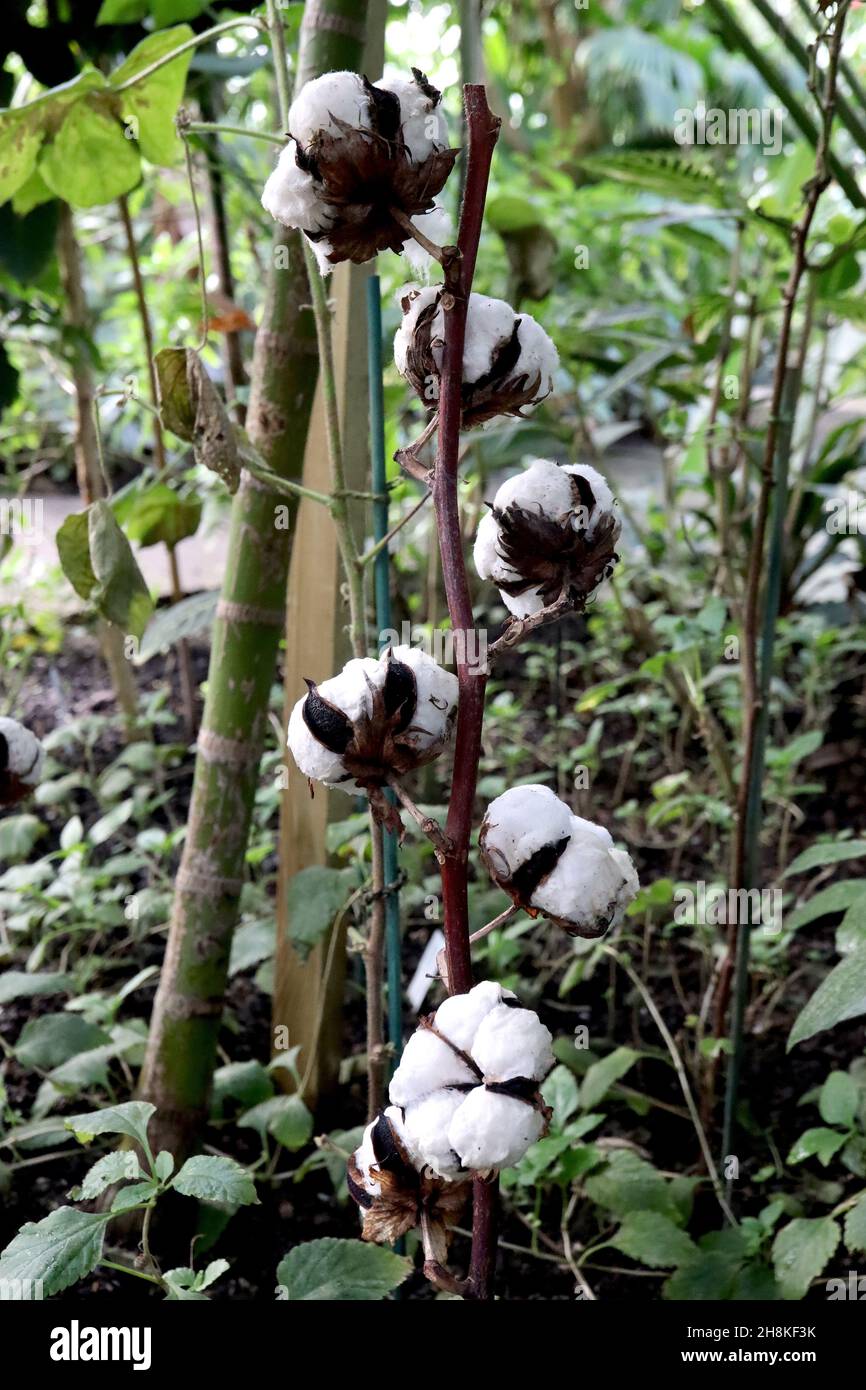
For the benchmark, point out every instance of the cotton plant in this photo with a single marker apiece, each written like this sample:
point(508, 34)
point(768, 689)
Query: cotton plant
point(362, 168)
point(509, 362)
point(548, 538)
point(21, 761)
point(465, 1103)
point(555, 864)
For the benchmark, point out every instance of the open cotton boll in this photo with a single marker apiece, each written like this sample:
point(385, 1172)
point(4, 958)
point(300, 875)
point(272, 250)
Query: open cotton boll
point(436, 696)
point(538, 354)
point(543, 487)
point(334, 94)
point(459, 1016)
point(422, 122)
point(590, 888)
point(426, 1125)
point(428, 1064)
point(493, 1131)
point(290, 195)
point(520, 823)
point(313, 759)
point(412, 300)
point(512, 1042)
point(489, 326)
point(21, 761)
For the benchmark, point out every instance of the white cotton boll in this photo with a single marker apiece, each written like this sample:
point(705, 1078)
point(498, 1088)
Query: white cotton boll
point(291, 198)
point(542, 487)
point(365, 1157)
point(426, 1123)
point(321, 249)
point(459, 1017)
point(418, 299)
point(21, 753)
point(436, 697)
point(348, 690)
point(314, 760)
point(591, 885)
point(489, 326)
point(538, 354)
point(339, 94)
point(490, 1130)
point(422, 122)
point(522, 821)
point(604, 499)
point(427, 1064)
point(512, 1042)
point(436, 226)
point(523, 605)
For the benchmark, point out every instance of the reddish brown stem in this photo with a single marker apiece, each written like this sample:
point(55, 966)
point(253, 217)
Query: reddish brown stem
point(482, 130)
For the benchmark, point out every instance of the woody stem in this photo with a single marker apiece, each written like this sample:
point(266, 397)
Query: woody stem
point(431, 828)
point(439, 253)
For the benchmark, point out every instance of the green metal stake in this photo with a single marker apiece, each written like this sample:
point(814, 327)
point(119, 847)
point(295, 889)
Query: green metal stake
point(382, 590)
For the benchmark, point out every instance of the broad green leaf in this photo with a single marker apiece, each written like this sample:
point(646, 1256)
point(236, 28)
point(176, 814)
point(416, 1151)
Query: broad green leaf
point(800, 1252)
point(123, 11)
point(48, 1041)
point(666, 174)
point(214, 1178)
point(816, 856)
point(131, 1119)
point(561, 1094)
point(168, 626)
point(246, 1082)
point(27, 243)
point(164, 1165)
point(838, 897)
point(20, 137)
point(653, 1240)
point(138, 1194)
point(59, 1250)
point(602, 1075)
point(170, 11)
point(18, 835)
point(840, 996)
point(855, 1226)
point(73, 547)
point(285, 1117)
point(839, 1099)
point(120, 1166)
point(151, 104)
point(628, 1183)
point(709, 1277)
point(90, 161)
point(33, 192)
point(340, 1271)
point(110, 823)
point(817, 1143)
point(251, 944)
point(315, 896)
point(157, 513)
point(22, 984)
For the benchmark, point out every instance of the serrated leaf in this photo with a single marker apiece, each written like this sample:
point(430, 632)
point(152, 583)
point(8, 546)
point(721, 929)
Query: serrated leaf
point(315, 896)
point(817, 1143)
point(560, 1092)
point(709, 1277)
point(838, 897)
point(246, 1082)
point(48, 1041)
point(213, 1178)
point(653, 1240)
point(628, 1183)
point(131, 1118)
point(602, 1075)
point(57, 1251)
point(840, 996)
point(285, 1117)
point(121, 1166)
point(801, 1251)
point(340, 1271)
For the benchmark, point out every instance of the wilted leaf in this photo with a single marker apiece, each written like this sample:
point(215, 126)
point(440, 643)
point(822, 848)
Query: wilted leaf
point(191, 407)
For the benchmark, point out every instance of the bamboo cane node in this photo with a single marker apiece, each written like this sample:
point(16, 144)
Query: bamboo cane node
point(232, 612)
point(232, 752)
point(318, 18)
point(207, 884)
point(183, 1006)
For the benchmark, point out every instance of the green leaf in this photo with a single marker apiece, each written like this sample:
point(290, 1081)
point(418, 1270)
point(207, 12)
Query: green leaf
point(840, 996)
point(665, 174)
point(817, 1143)
point(560, 1092)
point(816, 856)
point(838, 897)
point(131, 1119)
point(315, 896)
point(98, 562)
point(839, 1099)
point(110, 823)
point(138, 1194)
point(59, 1250)
point(246, 1082)
point(602, 1075)
point(123, 11)
point(213, 1178)
point(653, 1240)
point(22, 984)
point(168, 626)
point(20, 138)
point(628, 1183)
point(800, 1252)
point(340, 1271)
point(151, 104)
point(27, 244)
point(157, 514)
point(18, 835)
point(191, 407)
point(90, 161)
point(47, 1041)
point(285, 1117)
point(709, 1277)
point(855, 1226)
point(121, 1166)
